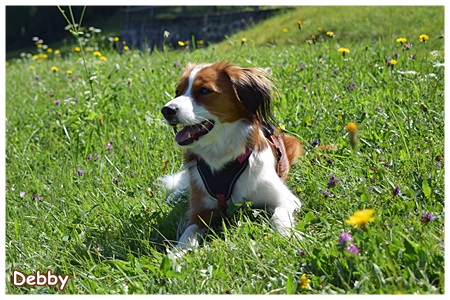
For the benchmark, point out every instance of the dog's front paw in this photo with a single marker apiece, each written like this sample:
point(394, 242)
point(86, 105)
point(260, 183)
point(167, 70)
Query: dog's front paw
point(176, 253)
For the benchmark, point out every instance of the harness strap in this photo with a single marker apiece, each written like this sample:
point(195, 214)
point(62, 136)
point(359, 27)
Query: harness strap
point(276, 145)
point(219, 184)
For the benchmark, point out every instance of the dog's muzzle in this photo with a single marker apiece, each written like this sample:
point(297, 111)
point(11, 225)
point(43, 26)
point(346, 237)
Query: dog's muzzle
point(170, 114)
point(189, 133)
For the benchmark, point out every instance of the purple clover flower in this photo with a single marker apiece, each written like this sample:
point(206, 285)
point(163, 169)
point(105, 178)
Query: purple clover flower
point(89, 156)
point(37, 197)
point(344, 238)
point(352, 249)
point(108, 147)
point(427, 217)
point(57, 102)
point(37, 76)
point(397, 191)
point(301, 252)
point(332, 181)
point(79, 172)
point(22, 194)
point(327, 194)
point(315, 142)
point(351, 86)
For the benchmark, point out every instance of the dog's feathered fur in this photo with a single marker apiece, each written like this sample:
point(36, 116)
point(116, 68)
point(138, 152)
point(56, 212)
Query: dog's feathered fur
point(224, 110)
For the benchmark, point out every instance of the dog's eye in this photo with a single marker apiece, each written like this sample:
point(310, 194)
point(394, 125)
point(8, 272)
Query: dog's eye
point(205, 91)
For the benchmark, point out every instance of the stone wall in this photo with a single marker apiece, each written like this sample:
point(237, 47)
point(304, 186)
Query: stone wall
point(143, 31)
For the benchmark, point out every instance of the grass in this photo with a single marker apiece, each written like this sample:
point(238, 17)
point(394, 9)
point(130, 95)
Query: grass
point(97, 214)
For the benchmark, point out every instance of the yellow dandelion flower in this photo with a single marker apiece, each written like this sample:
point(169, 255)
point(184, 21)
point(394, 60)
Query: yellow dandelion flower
point(243, 40)
point(181, 44)
point(344, 51)
point(43, 55)
point(330, 33)
point(285, 29)
point(116, 39)
point(401, 40)
point(89, 49)
point(49, 50)
point(69, 72)
point(351, 127)
point(55, 69)
point(299, 22)
point(103, 58)
point(392, 62)
point(57, 52)
point(97, 53)
point(200, 42)
point(361, 217)
point(126, 48)
point(39, 46)
point(76, 49)
point(35, 57)
point(304, 282)
point(423, 38)
point(31, 67)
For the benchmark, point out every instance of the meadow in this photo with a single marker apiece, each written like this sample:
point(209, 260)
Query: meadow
point(361, 87)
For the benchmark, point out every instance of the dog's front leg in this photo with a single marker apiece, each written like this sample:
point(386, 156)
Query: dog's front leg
point(196, 227)
point(190, 237)
point(283, 218)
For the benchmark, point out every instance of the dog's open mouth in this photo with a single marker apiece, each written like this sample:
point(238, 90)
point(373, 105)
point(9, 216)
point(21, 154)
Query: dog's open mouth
point(190, 133)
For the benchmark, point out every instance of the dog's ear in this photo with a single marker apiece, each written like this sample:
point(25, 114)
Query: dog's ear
point(254, 90)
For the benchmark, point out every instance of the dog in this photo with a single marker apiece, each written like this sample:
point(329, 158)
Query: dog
point(231, 149)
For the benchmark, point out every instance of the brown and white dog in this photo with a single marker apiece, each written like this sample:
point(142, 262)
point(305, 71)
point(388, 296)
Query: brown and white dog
point(232, 152)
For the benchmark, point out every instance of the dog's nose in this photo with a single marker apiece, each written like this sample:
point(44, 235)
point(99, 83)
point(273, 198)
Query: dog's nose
point(169, 111)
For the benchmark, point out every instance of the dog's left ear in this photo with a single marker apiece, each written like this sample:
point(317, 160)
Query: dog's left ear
point(253, 89)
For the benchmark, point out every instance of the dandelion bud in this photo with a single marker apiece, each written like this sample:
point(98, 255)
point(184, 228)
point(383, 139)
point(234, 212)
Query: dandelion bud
point(353, 134)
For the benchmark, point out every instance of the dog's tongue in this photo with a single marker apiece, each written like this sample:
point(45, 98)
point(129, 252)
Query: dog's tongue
point(186, 135)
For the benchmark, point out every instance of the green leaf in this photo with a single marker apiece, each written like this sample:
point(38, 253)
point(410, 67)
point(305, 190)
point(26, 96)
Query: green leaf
point(426, 189)
point(92, 116)
point(165, 266)
point(410, 247)
point(308, 217)
point(290, 285)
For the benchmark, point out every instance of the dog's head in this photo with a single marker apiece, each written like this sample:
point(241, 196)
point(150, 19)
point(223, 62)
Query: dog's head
point(211, 95)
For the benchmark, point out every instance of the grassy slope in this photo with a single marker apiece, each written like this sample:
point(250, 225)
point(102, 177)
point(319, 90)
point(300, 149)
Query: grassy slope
point(108, 228)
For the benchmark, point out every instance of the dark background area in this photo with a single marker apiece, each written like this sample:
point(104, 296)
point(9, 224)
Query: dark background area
point(46, 22)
